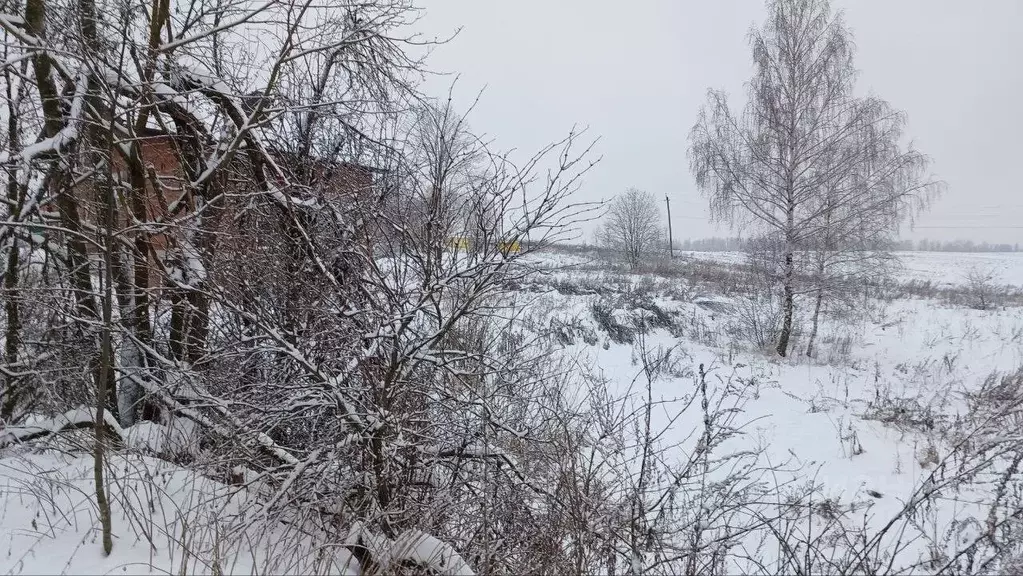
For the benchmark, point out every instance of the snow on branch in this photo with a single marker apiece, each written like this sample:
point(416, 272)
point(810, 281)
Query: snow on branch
point(421, 550)
point(181, 41)
point(62, 139)
point(412, 549)
point(70, 420)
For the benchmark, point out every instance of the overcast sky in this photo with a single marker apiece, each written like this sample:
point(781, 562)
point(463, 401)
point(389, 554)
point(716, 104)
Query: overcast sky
point(636, 74)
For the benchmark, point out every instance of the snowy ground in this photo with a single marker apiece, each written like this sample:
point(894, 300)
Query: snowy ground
point(940, 268)
point(835, 419)
point(827, 420)
point(166, 520)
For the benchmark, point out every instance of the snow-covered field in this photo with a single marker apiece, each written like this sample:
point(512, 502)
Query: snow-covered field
point(955, 267)
point(940, 268)
point(871, 419)
point(867, 423)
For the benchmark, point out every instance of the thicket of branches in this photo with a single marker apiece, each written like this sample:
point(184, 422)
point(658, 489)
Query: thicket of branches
point(314, 330)
point(304, 316)
point(327, 351)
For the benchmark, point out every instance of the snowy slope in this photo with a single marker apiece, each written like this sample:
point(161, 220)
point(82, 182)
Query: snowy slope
point(825, 420)
point(166, 520)
point(866, 424)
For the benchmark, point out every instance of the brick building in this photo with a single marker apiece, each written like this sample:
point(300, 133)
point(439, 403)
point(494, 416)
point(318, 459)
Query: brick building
point(327, 181)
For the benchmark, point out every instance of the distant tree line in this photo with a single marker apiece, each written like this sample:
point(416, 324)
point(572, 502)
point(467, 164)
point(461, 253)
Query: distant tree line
point(716, 244)
point(925, 245)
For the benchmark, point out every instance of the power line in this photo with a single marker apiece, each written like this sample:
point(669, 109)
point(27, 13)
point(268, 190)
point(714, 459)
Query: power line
point(971, 227)
point(962, 216)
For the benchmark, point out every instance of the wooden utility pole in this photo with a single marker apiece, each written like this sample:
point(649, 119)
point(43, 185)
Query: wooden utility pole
point(671, 243)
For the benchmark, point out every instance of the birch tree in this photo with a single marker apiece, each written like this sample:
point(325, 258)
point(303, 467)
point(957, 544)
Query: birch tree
point(803, 136)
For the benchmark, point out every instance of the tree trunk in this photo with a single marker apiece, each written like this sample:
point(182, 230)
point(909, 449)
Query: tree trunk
point(190, 314)
point(816, 317)
point(11, 391)
point(789, 304)
point(106, 367)
point(130, 394)
point(204, 244)
point(178, 324)
point(35, 24)
point(137, 319)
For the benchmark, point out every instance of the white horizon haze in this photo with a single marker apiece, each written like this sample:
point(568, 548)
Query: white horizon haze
point(636, 75)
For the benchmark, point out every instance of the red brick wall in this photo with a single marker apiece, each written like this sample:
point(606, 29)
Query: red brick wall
point(341, 183)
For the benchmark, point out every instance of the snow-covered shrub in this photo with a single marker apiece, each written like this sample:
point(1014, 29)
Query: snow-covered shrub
point(715, 277)
point(839, 346)
point(175, 441)
point(657, 514)
point(986, 464)
point(908, 413)
point(567, 332)
point(604, 313)
point(984, 289)
point(999, 401)
point(756, 317)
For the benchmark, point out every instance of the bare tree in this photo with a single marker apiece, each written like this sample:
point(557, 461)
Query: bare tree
point(446, 165)
point(632, 226)
point(805, 154)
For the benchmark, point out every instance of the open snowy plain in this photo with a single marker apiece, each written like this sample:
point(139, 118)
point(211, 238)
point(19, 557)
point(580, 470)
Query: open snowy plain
point(895, 421)
point(895, 439)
